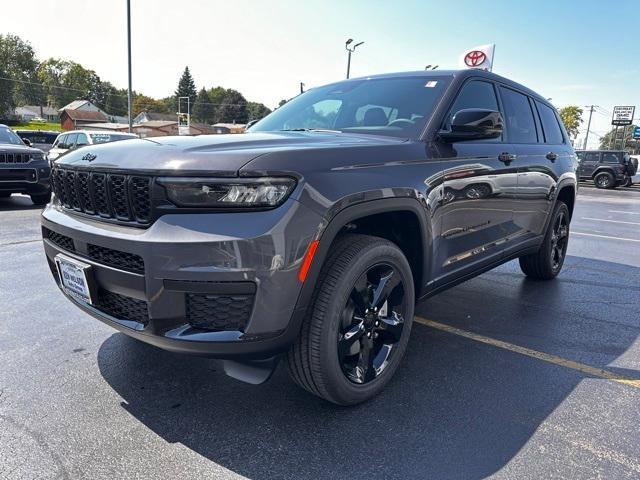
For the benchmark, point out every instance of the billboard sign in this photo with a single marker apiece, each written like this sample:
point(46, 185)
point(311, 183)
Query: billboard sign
point(636, 133)
point(622, 116)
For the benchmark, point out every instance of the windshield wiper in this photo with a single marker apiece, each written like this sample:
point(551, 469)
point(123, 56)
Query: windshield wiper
point(324, 130)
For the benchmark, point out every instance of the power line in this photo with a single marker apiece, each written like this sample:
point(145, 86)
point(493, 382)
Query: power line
point(84, 91)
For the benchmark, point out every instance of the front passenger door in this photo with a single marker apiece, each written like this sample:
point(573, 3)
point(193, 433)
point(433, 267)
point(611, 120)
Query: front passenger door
point(479, 184)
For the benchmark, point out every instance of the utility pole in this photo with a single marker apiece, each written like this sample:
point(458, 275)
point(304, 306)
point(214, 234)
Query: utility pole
point(350, 50)
point(301, 87)
point(586, 137)
point(129, 92)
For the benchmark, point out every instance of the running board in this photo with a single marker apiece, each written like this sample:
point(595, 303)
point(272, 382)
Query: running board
point(254, 372)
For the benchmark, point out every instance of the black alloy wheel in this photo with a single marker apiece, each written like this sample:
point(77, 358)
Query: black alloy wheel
point(559, 240)
point(371, 324)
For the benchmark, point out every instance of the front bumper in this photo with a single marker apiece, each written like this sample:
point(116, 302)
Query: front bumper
point(30, 178)
point(246, 263)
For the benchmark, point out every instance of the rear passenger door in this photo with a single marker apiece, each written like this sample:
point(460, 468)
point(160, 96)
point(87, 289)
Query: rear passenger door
point(588, 164)
point(535, 159)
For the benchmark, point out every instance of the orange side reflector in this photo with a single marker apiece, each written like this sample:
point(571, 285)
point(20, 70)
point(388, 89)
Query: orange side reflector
point(308, 258)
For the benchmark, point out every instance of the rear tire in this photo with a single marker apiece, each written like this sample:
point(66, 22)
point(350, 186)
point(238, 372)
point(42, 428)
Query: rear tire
point(547, 262)
point(41, 199)
point(357, 327)
point(604, 180)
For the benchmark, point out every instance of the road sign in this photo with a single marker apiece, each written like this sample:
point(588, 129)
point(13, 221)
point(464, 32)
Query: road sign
point(622, 116)
point(636, 133)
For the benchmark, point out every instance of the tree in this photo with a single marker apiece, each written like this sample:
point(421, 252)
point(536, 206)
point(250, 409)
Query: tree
point(256, 111)
point(282, 102)
point(65, 81)
point(114, 100)
point(233, 108)
point(186, 88)
point(203, 110)
point(607, 141)
point(143, 103)
point(18, 63)
point(572, 118)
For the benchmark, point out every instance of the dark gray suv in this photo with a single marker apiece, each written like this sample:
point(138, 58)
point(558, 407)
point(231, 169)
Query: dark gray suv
point(311, 237)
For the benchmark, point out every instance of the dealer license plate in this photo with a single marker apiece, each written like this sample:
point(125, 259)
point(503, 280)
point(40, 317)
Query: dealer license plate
point(73, 276)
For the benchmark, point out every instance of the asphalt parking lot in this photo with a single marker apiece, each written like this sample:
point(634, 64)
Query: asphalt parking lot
point(504, 376)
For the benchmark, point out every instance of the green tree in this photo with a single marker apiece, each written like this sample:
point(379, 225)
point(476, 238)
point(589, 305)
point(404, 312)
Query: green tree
point(233, 108)
point(186, 88)
point(256, 111)
point(65, 81)
point(572, 118)
point(19, 64)
point(203, 110)
point(282, 102)
point(626, 138)
point(143, 103)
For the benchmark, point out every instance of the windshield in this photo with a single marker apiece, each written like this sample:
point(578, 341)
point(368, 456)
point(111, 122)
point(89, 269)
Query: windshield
point(398, 107)
point(8, 136)
point(109, 137)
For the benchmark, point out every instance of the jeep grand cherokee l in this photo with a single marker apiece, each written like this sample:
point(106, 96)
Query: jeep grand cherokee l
point(311, 237)
point(22, 169)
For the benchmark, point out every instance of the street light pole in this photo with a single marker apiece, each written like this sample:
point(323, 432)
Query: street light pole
point(129, 92)
point(350, 50)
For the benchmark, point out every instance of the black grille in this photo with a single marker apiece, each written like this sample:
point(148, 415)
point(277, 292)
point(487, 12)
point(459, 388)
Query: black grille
point(218, 312)
point(115, 258)
point(125, 198)
point(62, 241)
point(14, 158)
point(121, 306)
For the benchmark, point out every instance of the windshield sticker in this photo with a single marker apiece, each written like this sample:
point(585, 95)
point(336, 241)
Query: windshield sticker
point(431, 83)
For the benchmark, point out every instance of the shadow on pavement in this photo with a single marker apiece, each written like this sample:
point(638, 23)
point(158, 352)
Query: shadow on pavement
point(456, 409)
point(18, 202)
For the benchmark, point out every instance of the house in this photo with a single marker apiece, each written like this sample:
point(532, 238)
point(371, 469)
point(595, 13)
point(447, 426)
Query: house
point(29, 112)
point(87, 106)
point(75, 119)
point(144, 117)
point(229, 128)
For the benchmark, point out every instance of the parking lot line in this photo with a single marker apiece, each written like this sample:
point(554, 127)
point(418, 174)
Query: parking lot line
point(573, 232)
point(546, 357)
point(622, 211)
point(611, 221)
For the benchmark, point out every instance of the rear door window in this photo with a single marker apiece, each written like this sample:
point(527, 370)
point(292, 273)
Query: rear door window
point(611, 157)
point(592, 157)
point(521, 126)
point(82, 140)
point(550, 126)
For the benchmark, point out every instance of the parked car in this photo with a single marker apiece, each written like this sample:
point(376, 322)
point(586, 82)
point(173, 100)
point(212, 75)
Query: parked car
point(607, 168)
point(79, 138)
point(310, 238)
point(23, 169)
point(41, 139)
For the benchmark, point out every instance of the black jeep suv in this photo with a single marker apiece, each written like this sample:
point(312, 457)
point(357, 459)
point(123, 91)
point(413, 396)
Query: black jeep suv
point(607, 168)
point(311, 237)
point(23, 169)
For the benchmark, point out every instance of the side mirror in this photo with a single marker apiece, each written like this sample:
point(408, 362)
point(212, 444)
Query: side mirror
point(251, 123)
point(26, 141)
point(473, 124)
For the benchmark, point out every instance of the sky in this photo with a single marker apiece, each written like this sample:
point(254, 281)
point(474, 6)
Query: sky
point(576, 53)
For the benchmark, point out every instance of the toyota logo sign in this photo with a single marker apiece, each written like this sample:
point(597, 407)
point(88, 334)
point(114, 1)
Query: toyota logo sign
point(474, 58)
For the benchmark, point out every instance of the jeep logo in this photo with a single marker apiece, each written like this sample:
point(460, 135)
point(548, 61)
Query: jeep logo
point(89, 157)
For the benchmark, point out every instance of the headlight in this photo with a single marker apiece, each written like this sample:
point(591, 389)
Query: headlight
point(228, 193)
point(37, 156)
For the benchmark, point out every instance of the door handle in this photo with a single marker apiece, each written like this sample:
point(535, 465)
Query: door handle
point(506, 157)
point(552, 156)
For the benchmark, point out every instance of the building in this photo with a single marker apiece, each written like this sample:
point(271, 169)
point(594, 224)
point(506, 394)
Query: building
point(76, 119)
point(87, 106)
point(30, 112)
point(229, 127)
point(151, 128)
point(144, 117)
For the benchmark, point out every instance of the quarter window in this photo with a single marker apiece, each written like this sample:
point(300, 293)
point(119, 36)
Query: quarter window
point(550, 126)
point(521, 126)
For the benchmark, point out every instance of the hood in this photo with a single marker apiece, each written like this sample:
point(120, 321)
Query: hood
point(11, 148)
point(219, 155)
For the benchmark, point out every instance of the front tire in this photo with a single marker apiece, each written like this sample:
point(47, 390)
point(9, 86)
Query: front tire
point(547, 262)
point(41, 199)
point(358, 324)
